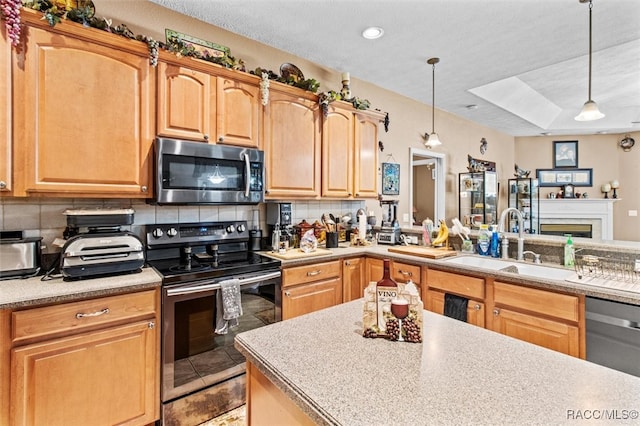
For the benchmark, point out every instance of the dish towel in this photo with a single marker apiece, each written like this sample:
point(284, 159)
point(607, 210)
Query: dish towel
point(455, 307)
point(228, 306)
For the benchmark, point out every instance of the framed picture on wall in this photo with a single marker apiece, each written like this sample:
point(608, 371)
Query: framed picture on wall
point(390, 179)
point(560, 177)
point(565, 154)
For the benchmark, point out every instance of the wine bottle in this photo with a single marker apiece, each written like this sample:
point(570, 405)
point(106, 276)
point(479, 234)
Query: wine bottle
point(386, 291)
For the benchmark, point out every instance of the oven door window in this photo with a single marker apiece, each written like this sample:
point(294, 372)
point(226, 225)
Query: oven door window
point(194, 355)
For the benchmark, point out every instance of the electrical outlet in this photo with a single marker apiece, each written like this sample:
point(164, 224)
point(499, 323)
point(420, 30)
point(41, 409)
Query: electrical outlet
point(405, 217)
point(633, 213)
point(413, 239)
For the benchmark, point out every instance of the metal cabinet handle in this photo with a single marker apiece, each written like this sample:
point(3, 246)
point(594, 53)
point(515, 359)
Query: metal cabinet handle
point(357, 194)
point(496, 312)
point(3, 184)
point(93, 314)
point(314, 273)
point(406, 273)
point(476, 307)
point(287, 293)
point(144, 188)
point(347, 263)
point(151, 325)
point(221, 139)
point(206, 138)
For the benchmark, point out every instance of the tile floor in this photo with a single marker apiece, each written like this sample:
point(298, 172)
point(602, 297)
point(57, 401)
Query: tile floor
point(235, 417)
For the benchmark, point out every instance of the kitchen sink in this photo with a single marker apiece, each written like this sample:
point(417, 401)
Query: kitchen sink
point(512, 266)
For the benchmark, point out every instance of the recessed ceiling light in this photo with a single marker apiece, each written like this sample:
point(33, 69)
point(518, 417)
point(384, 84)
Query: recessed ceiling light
point(372, 33)
point(472, 106)
point(545, 133)
point(602, 132)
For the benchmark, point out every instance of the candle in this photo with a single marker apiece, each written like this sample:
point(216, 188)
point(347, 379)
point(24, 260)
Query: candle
point(615, 184)
point(345, 76)
point(362, 227)
point(605, 187)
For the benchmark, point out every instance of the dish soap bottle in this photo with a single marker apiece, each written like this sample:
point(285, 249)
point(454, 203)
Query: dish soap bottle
point(568, 251)
point(484, 240)
point(494, 247)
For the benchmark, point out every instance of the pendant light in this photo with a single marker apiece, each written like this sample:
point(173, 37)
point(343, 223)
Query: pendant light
point(433, 140)
point(590, 109)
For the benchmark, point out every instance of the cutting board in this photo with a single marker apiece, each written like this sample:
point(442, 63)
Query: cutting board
point(299, 254)
point(429, 252)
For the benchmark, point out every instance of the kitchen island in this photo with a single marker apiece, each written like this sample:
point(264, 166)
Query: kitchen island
point(325, 372)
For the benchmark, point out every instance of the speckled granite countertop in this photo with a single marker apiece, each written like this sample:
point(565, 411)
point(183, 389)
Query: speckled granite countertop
point(32, 291)
point(382, 251)
point(461, 374)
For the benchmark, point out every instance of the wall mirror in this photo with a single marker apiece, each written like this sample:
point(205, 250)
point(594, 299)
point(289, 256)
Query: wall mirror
point(427, 183)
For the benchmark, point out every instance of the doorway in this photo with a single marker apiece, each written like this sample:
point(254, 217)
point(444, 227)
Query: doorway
point(426, 176)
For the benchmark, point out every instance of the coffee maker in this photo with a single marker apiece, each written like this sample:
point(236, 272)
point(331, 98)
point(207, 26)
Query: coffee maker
point(280, 214)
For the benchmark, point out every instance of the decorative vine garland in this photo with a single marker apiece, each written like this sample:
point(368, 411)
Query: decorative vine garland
point(84, 14)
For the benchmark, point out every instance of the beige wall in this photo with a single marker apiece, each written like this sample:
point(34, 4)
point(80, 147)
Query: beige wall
point(411, 119)
point(608, 161)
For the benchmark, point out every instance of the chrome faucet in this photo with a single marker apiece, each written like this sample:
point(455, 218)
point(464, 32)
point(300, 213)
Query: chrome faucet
point(503, 215)
point(536, 256)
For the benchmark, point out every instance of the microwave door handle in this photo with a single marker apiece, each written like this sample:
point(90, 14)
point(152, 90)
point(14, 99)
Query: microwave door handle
point(247, 174)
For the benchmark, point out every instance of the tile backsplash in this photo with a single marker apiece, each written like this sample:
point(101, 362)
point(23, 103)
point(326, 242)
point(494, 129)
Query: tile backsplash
point(44, 217)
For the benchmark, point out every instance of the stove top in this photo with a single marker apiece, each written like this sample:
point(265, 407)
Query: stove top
point(203, 251)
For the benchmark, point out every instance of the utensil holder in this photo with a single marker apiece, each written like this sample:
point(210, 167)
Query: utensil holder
point(332, 239)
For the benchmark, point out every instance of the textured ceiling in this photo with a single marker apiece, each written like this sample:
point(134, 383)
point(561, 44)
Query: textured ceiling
point(524, 63)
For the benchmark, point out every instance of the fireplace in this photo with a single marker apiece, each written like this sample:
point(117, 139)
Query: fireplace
point(578, 214)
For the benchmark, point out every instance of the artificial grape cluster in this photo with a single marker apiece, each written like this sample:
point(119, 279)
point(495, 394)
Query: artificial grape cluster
point(370, 332)
point(11, 13)
point(153, 51)
point(411, 331)
point(393, 331)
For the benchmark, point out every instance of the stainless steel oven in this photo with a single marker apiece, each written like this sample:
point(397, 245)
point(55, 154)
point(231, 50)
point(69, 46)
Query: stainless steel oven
point(203, 375)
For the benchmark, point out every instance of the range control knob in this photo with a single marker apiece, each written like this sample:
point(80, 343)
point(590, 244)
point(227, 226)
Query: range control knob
point(230, 229)
point(157, 233)
point(172, 232)
point(241, 228)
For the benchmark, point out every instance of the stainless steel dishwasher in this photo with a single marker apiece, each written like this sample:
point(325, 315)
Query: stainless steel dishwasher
point(613, 335)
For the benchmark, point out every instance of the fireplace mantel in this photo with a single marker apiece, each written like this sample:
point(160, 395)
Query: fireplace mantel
point(596, 211)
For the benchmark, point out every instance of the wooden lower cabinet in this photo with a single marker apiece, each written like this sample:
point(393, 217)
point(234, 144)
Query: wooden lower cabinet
point(100, 369)
point(400, 272)
point(353, 278)
point(310, 288)
point(267, 405)
point(434, 302)
point(545, 318)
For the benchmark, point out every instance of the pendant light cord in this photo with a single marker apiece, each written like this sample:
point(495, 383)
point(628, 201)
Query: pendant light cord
point(590, 12)
point(433, 98)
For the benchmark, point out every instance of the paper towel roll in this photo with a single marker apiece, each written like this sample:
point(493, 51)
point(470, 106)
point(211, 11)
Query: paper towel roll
point(362, 227)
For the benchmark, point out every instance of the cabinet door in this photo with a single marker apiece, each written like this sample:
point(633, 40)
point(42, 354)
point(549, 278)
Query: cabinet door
point(375, 270)
point(403, 272)
point(5, 113)
point(337, 153)
point(292, 146)
point(305, 298)
point(353, 278)
point(475, 310)
point(186, 103)
point(551, 334)
point(101, 378)
point(365, 175)
point(238, 116)
point(86, 116)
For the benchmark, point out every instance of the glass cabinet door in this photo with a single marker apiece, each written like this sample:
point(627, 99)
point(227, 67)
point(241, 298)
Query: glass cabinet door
point(524, 196)
point(478, 198)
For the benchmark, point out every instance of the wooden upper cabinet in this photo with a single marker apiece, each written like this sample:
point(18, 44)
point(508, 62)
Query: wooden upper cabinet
point(238, 114)
point(292, 144)
point(186, 103)
point(365, 181)
point(337, 152)
point(5, 113)
point(85, 123)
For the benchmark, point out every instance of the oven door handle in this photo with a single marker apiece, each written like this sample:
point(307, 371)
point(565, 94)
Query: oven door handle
point(208, 287)
point(247, 174)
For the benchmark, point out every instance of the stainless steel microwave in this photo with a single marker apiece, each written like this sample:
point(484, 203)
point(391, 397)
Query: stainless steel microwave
point(200, 173)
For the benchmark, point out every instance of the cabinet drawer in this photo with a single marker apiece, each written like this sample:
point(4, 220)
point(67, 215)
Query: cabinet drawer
point(459, 284)
point(310, 273)
point(74, 317)
point(545, 302)
point(403, 272)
